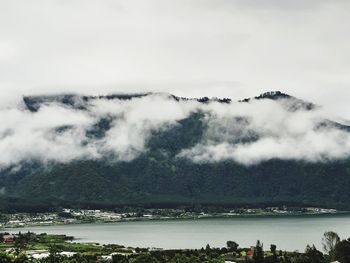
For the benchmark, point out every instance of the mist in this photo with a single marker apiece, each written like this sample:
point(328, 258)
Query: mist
point(244, 132)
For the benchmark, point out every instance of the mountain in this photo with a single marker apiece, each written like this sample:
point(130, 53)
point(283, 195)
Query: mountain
point(142, 149)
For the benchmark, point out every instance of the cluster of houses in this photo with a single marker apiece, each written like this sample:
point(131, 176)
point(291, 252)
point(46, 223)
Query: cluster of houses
point(244, 256)
point(7, 237)
point(23, 219)
point(98, 214)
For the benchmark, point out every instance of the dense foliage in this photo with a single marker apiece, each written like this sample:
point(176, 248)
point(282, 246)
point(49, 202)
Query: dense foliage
point(54, 246)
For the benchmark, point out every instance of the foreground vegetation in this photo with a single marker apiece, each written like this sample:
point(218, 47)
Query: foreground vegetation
point(43, 248)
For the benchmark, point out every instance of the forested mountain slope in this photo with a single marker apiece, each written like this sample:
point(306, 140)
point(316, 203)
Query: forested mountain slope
point(273, 149)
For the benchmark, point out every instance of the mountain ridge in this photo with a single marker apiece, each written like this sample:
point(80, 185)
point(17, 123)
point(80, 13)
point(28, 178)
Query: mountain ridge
point(32, 102)
point(159, 175)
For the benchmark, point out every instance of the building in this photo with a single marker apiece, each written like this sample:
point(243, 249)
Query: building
point(7, 238)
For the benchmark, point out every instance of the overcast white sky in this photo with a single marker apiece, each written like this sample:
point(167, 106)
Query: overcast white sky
point(235, 48)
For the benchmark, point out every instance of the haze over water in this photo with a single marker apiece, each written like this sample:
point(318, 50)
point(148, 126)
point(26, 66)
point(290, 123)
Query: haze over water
point(287, 232)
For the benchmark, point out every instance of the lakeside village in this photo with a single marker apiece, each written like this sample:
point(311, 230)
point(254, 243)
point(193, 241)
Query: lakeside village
point(20, 247)
point(77, 216)
point(44, 248)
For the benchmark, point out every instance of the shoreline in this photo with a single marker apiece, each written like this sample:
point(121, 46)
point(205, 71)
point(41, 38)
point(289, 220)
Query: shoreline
point(187, 218)
point(40, 246)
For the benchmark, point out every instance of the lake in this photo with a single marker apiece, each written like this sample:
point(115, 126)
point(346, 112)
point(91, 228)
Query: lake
point(287, 232)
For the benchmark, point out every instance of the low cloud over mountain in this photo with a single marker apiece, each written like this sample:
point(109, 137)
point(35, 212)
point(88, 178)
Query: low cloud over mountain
point(64, 128)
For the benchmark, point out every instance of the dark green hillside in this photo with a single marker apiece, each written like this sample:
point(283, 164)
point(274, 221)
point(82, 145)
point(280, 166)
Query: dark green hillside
point(158, 180)
point(158, 177)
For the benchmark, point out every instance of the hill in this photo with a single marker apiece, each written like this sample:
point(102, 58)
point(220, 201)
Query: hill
point(165, 151)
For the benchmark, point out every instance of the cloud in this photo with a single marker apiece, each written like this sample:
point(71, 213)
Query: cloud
point(58, 133)
point(244, 132)
point(33, 136)
point(135, 120)
point(250, 133)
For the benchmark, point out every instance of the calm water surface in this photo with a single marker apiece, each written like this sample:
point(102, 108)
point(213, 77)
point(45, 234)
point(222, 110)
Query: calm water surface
point(288, 233)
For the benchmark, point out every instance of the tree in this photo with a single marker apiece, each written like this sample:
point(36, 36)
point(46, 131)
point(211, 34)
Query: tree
point(286, 258)
point(54, 256)
point(232, 245)
point(180, 259)
point(117, 258)
point(274, 258)
point(313, 255)
point(342, 251)
point(145, 258)
point(5, 257)
point(329, 241)
point(258, 255)
point(194, 259)
point(21, 258)
point(20, 243)
point(207, 248)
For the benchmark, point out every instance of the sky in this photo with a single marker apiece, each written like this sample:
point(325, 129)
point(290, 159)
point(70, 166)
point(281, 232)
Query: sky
point(221, 48)
point(191, 48)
